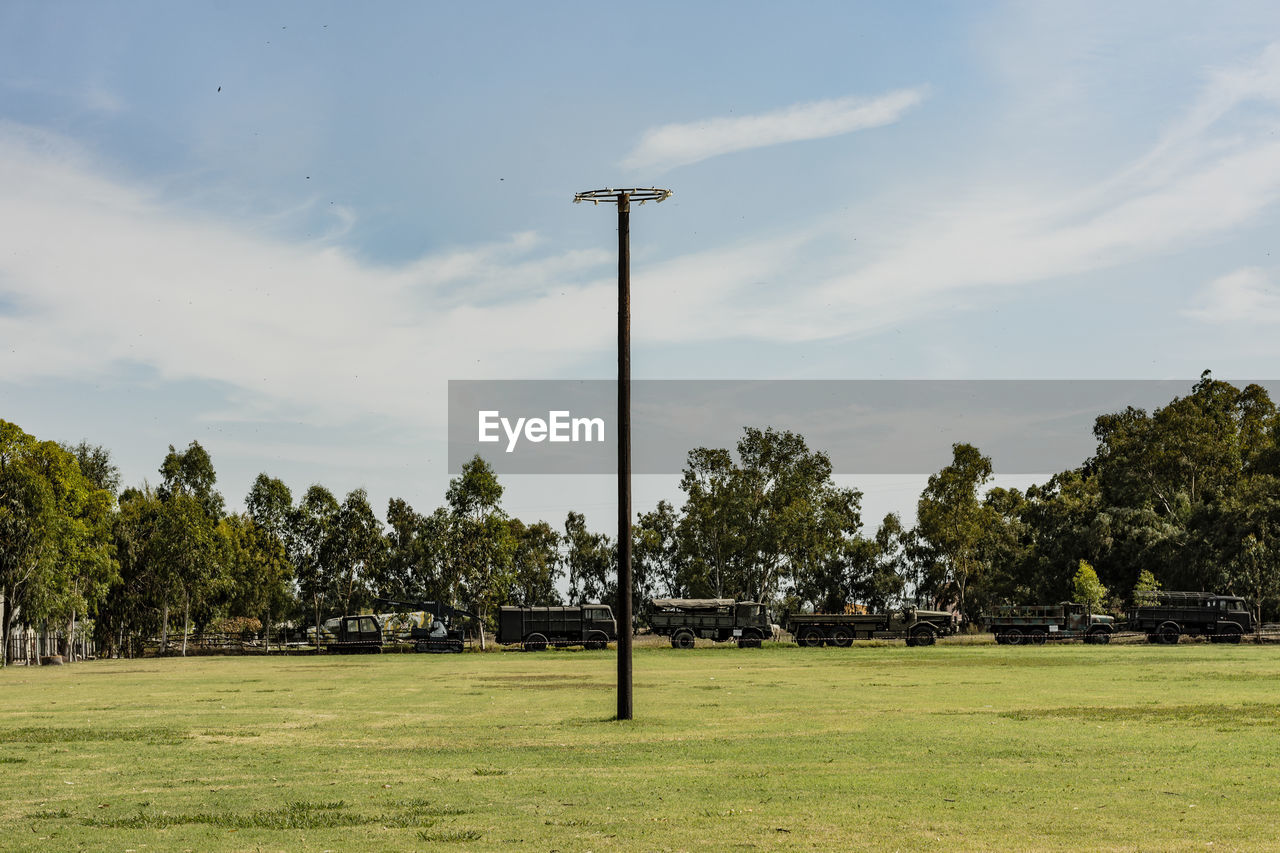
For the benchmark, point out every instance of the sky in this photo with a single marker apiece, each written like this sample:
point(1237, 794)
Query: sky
point(280, 229)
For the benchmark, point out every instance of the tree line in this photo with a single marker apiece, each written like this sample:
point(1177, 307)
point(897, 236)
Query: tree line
point(1185, 497)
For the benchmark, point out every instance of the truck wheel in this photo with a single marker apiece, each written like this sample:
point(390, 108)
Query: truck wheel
point(923, 637)
point(1013, 636)
point(1098, 636)
point(1229, 635)
point(596, 641)
point(1038, 637)
point(1169, 633)
point(841, 637)
point(682, 640)
point(749, 640)
point(810, 637)
point(535, 643)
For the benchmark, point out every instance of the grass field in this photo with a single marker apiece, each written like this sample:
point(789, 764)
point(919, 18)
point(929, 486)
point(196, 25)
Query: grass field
point(883, 748)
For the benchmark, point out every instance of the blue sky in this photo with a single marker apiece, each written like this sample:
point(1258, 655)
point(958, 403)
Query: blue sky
point(377, 201)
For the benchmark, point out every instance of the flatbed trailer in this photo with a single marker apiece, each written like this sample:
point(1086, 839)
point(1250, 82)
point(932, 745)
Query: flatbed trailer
point(916, 627)
point(717, 619)
point(1034, 624)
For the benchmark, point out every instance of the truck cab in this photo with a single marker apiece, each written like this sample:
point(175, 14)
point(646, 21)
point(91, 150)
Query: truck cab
point(359, 635)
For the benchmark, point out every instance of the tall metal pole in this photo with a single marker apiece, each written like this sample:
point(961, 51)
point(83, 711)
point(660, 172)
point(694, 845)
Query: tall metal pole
point(624, 457)
point(623, 199)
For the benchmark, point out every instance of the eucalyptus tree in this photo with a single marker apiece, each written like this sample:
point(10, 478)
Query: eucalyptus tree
point(309, 528)
point(951, 521)
point(480, 540)
point(589, 560)
point(535, 563)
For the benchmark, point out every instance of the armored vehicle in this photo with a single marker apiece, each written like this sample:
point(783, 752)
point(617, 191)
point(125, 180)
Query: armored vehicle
point(917, 627)
point(1033, 624)
point(1166, 616)
point(534, 628)
point(719, 619)
point(357, 635)
point(438, 630)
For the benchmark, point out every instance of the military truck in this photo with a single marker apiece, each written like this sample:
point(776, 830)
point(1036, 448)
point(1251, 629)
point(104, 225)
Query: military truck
point(357, 635)
point(437, 631)
point(591, 626)
point(1016, 625)
point(1165, 616)
point(683, 619)
point(917, 627)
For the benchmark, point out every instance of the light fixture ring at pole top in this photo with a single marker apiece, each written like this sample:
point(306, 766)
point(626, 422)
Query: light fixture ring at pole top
point(640, 194)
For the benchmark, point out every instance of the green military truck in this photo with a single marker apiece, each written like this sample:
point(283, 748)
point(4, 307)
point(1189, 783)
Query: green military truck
point(1165, 616)
point(357, 635)
point(719, 619)
point(1017, 625)
point(535, 628)
point(917, 627)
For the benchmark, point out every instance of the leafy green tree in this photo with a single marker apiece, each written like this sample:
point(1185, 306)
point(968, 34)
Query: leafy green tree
point(534, 563)
point(309, 529)
point(270, 505)
point(55, 558)
point(480, 539)
point(354, 551)
point(1146, 583)
point(658, 563)
point(190, 558)
point(951, 521)
point(417, 565)
point(258, 575)
point(589, 561)
point(1087, 589)
point(774, 518)
point(96, 466)
point(190, 472)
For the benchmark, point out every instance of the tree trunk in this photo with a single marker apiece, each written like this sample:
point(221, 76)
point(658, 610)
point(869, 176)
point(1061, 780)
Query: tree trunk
point(70, 644)
point(164, 627)
point(6, 625)
point(186, 620)
point(317, 624)
point(480, 624)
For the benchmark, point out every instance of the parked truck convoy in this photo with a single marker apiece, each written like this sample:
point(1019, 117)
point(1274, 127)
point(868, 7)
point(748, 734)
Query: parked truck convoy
point(1034, 624)
point(535, 628)
point(917, 627)
point(719, 619)
point(1165, 616)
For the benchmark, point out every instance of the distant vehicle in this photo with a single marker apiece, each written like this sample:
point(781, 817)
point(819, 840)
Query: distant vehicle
point(357, 635)
point(1165, 616)
point(917, 627)
point(719, 619)
point(591, 626)
point(1034, 624)
point(434, 627)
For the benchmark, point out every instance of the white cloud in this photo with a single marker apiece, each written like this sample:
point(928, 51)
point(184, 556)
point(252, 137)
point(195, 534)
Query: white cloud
point(1245, 297)
point(674, 145)
point(104, 275)
point(1203, 178)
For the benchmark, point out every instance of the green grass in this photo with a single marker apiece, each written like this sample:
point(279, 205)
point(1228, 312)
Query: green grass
point(952, 747)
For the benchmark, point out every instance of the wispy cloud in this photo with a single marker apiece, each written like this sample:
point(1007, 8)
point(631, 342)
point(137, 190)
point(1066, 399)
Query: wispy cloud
point(101, 275)
point(1245, 297)
point(1206, 176)
point(674, 145)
